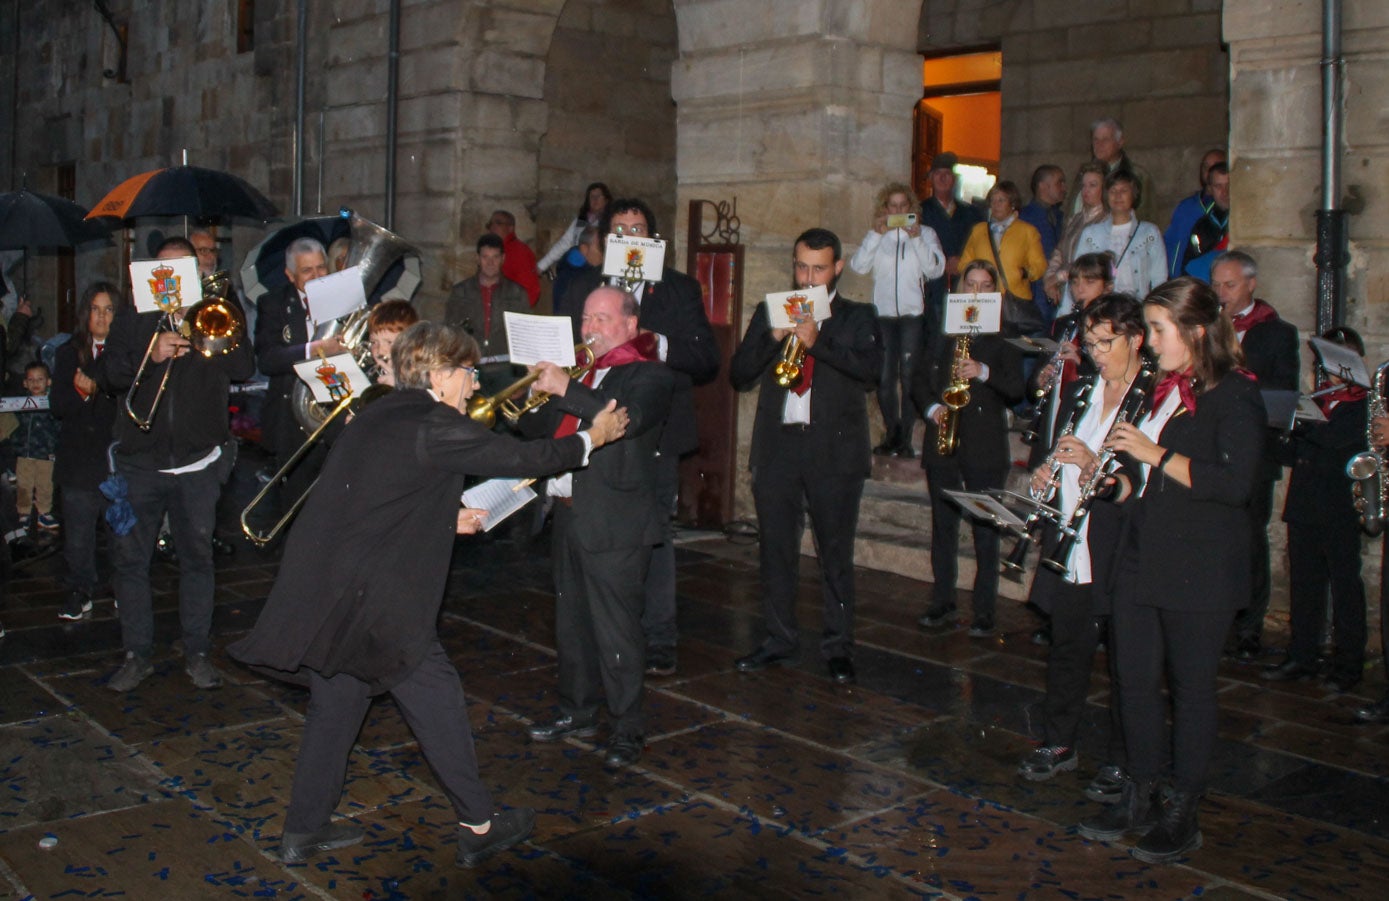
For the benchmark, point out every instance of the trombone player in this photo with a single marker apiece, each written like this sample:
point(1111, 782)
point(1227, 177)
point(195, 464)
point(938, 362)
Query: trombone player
point(810, 445)
point(177, 466)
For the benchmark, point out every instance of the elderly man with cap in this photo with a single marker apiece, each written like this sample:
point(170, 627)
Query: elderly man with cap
point(952, 221)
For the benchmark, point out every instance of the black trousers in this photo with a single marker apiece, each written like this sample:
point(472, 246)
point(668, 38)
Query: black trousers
point(431, 700)
point(901, 341)
point(1250, 621)
point(945, 535)
point(1075, 633)
point(602, 652)
point(1186, 644)
point(1319, 557)
point(82, 522)
point(658, 619)
point(781, 494)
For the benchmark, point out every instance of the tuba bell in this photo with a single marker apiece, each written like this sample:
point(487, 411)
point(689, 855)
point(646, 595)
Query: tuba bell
point(375, 250)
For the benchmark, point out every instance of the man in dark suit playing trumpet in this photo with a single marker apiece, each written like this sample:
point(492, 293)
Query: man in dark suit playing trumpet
point(608, 518)
point(810, 445)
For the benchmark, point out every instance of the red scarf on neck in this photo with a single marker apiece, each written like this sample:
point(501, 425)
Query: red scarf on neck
point(1328, 401)
point(1181, 381)
point(1260, 312)
point(643, 347)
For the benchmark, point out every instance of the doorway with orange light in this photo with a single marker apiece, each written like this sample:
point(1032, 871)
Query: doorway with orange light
point(960, 111)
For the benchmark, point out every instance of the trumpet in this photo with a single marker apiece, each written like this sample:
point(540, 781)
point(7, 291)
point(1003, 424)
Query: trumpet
point(1131, 408)
point(1368, 469)
point(790, 368)
point(955, 397)
point(1016, 561)
point(483, 410)
point(214, 326)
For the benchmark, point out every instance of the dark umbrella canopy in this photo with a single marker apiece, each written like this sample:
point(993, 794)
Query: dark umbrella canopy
point(184, 191)
point(28, 220)
point(264, 268)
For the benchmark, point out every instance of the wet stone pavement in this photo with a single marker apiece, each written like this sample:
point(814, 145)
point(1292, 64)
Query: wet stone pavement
point(779, 784)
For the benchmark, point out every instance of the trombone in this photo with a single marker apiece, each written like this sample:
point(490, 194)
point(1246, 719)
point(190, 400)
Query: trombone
point(214, 326)
point(483, 410)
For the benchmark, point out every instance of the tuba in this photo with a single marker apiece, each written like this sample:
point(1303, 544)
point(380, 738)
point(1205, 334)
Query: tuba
point(1369, 469)
point(955, 397)
point(376, 250)
point(213, 326)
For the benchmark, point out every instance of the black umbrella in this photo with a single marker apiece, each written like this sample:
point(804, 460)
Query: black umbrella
point(184, 191)
point(42, 220)
point(264, 268)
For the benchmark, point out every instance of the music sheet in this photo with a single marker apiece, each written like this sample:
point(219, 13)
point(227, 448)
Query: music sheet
point(531, 339)
point(500, 498)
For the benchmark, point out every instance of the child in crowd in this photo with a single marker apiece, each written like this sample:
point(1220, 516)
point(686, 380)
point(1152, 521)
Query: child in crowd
point(32, 444)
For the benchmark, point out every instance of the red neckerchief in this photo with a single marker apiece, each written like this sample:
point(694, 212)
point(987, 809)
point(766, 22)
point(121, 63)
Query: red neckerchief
point(641, 348)
point(1328, 401)
point(1260, 312)
point(1180, 381)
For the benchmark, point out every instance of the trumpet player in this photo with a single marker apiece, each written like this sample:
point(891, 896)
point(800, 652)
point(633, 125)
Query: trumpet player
point(810, 447)
point(993, 373)
point(1324, 533)
point(1079, 600)
point(177, 467)
point(1182, 568)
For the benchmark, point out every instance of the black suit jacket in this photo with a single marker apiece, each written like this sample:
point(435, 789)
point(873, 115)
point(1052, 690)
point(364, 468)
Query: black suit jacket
point(983, 423)
point(1270, 352)
point(84, 431)
point(1319, 491)
point(616, 501)
point(1191, 546)
point(673, 307)
point(848, 360)
point(281, 334)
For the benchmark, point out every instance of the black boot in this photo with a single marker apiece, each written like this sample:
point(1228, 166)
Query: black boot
point(1135, 810)
point(1176, 832)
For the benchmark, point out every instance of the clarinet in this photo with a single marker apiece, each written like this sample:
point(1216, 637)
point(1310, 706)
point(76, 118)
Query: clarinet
point(1045, 394)
point(1131, 408)
point(1016, 561)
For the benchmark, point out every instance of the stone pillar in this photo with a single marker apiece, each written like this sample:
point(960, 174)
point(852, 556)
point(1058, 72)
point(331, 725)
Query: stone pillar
point(800, 113)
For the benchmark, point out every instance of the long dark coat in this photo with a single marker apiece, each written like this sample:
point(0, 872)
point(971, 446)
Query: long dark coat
point(364, 567)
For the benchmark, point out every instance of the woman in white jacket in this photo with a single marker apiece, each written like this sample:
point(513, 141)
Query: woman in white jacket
point(1140, 257)
point(901, 260)
point(596, 199)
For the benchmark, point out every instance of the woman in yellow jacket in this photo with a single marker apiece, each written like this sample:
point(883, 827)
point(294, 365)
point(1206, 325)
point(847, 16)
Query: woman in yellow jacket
point(1006, 241)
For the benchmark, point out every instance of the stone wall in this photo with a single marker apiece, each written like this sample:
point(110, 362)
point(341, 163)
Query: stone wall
point(611, 117)
point(1156, 65)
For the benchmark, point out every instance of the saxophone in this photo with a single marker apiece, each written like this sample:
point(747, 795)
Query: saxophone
point(955, 397)
point(1368, 468)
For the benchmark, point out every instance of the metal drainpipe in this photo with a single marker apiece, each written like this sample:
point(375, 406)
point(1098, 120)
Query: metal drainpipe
point(301, 78)
point(392, 98)
point(1331, 256)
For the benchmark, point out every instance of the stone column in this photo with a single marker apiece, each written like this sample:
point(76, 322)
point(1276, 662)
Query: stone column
point(801, 113)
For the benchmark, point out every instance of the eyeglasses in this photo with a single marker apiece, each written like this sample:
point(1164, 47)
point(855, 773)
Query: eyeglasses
point(637, 230)
point(1099, 345)
point(471, 370)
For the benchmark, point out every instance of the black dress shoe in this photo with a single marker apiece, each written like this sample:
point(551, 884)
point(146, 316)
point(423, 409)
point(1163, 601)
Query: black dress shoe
point(622, 751)
point(1343, 680)
point(506, 829)
point(886, 449)
point(1288, 671)
point(937, 616)
point(1377, 712)
point(299, 846)
point(842, 670)
point(760, 659)
point(1249, 647)
point(563, 727)
point(660, 661)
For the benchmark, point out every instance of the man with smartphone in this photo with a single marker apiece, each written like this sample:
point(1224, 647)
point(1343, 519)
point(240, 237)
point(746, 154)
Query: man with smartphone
point(901, 256)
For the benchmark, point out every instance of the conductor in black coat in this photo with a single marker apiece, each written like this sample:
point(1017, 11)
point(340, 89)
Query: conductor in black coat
point(353, 612)
point(608, 519)
point(1270, 347)
point(1183, 564)
point(810, 447)
point(993, 371)
point(283, 339)
point(672, 309)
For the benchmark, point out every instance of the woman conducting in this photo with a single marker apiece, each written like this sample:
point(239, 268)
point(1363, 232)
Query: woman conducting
point(1183, 565)
point(354, 609)
point(1078, 599)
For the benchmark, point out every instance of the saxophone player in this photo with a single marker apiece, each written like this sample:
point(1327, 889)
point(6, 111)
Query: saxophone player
point(993, 372)
point(1324, 533)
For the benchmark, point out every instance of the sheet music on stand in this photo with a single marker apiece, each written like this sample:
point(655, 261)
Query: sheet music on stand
point(500, 498)
point(986, 508)
point(1341, 361)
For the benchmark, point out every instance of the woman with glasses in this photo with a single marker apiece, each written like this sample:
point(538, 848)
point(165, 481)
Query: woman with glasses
point(1078, 600)
point(1183, 567)
point(353, 612)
